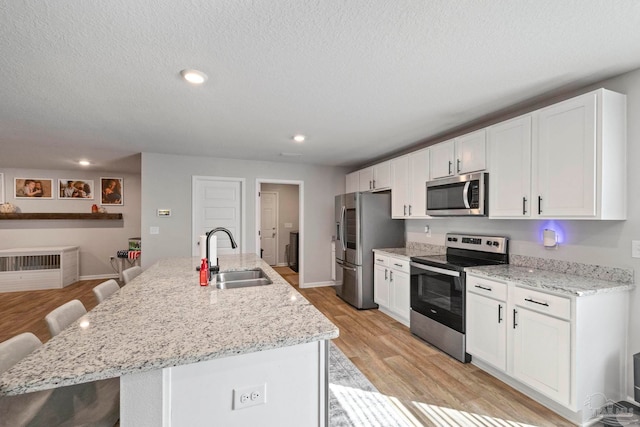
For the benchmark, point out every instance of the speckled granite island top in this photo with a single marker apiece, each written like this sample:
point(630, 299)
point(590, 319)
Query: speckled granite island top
point(550, 281)
point(163, 318)
point(409, 252)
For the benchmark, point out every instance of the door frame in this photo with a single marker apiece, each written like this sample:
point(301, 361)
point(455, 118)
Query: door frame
point(300, 184)
point(243, 206)
point(277, 223)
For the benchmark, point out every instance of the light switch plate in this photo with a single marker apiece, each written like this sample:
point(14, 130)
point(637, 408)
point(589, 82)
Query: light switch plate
point(635, 248)
point(288, 225)
point(154, 230)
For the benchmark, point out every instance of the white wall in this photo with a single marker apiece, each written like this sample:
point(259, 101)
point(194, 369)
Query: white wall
point(166, 183)
point(98, 240)
point(606, 243)
point(287, 213)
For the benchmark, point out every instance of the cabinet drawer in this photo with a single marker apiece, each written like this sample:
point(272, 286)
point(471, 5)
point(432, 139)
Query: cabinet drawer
point(399, 264)
point(380, 259)
point(552, 305)
point(486, 287)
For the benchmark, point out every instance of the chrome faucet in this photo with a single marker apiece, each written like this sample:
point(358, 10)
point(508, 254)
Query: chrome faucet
point(234, 245)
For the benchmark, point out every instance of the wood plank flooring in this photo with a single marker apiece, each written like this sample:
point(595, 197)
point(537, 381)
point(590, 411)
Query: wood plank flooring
point(428, 383)
point(434, 387)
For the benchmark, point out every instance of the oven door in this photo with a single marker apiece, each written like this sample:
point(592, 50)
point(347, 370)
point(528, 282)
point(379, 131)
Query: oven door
point(438, 293)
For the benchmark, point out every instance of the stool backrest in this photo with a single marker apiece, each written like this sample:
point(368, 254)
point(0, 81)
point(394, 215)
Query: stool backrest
point(16, 348)
point(131, 273)
point(105, 290)
point(64, 315)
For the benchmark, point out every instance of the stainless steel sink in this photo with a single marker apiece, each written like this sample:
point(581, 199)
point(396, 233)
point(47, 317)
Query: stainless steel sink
point(240, 279)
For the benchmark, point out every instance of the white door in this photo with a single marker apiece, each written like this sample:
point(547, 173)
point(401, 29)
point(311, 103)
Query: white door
point(381, 285)
point(217, 202)
point(487, 330)
point(442, 159)
point(418, 177)
point(399, 187)
point(400, 293)
point(269, 226)
point(471, 152)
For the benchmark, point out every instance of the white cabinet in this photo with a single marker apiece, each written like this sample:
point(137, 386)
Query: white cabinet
point(510, 168)
point(373, 178)
point(409, 175)
point(576, 159)
point(391, 281)
point(462, 155)
point(352, 182)
point(486, 311)
point(543, 344)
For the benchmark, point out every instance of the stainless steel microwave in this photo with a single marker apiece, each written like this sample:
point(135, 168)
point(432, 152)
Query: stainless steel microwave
point(463, 195)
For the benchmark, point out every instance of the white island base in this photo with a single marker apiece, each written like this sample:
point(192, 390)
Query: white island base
point(202, 394)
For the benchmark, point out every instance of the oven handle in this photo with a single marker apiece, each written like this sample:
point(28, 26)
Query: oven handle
point(435, 269)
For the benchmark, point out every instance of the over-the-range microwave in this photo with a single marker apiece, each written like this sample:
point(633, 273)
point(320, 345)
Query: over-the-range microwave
point(463, 195)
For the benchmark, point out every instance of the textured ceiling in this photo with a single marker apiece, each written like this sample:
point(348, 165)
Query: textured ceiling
point(363, 78)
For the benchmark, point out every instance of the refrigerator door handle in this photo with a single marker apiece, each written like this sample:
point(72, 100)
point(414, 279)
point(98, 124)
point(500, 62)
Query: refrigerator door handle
point(343, 213)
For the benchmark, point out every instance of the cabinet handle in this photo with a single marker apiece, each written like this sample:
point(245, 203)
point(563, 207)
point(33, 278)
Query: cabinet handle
point(397, 265)
point(484, 288)
point(405, 210)
point(374, 183)
point(386, 274)
point(524, 206)
point(379, 260)
point(514, 318)
point(450, 163)
point(499, 313)
point(409, 210)
point(537, 302)
point(390, 275)
point(370, 185)
point(458, 166)
point(539, 204)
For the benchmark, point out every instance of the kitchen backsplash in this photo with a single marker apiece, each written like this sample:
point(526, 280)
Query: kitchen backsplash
point(427, 248)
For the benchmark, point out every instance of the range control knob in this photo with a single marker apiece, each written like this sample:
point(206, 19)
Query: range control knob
point(496, 243)
point(489, 243)
point(449, 239)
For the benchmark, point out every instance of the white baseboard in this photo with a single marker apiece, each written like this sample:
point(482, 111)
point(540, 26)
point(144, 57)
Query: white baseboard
point(98, 276)
point(282, 264)
point(318, 284)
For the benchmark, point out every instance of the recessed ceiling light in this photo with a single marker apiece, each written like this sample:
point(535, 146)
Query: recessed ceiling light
point(194, 76)
point(299, 138)
point(84, 163)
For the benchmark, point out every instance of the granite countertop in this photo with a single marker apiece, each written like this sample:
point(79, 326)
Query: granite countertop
point(550, 281)
point(164, 318)
point(409, 252)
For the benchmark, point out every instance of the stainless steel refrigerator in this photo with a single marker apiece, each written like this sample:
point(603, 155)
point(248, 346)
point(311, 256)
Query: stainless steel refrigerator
point(363, 223)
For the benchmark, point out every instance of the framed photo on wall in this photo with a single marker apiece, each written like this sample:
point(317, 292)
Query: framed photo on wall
point(75, 189)
point(33, 188)
point(112, 191)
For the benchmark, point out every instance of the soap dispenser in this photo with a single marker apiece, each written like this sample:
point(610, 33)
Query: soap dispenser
point(204, 273)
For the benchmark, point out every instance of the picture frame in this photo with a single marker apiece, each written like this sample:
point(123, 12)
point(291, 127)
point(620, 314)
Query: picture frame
point(1, 188)
point(75, 189)
point(112, 191)
point(33, 188)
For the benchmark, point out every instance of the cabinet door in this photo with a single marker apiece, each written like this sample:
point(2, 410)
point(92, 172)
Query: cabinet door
point(510, 169)
point(419, 175)
point(382, 176)
point(400, 293)
point(366, 180)
point(542, 353)
point(471, 152)
point(399, 187)
point(352, 182)
point(565, 160)
point(487, 330)
point(381, 285)
point(442, 156)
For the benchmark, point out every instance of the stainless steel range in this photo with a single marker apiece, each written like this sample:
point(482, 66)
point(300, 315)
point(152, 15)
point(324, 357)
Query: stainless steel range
point(438, 289)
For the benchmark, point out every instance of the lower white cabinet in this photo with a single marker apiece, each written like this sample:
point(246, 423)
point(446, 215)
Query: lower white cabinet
point(391, 282)
point(549, 346)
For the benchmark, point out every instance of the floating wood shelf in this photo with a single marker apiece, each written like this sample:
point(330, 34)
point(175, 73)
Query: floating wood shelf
point(33, 215)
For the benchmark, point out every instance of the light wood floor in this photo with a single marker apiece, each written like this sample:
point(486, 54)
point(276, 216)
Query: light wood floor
point(397, 363)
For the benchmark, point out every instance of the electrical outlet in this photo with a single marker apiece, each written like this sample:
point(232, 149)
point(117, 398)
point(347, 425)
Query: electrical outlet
point(635, 248)
point(249, 396)
point(427, 231)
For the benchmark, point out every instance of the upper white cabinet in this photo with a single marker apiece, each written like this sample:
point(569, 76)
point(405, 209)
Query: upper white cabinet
point(510, 168)
point(352, 182)
point(409, 175)
point(373, 178)
point(576, 157)
point(458, 156)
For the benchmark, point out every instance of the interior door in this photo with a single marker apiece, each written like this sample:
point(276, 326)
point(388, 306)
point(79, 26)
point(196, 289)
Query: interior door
point(217, 202)
point(269, 226)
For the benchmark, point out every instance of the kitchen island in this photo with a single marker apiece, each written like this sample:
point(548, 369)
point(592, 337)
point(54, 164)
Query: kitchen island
point(186, 354)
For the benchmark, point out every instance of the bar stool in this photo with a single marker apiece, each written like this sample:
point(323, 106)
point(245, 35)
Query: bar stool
point(131, 273)
point(64, 315)
point(105, 290)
